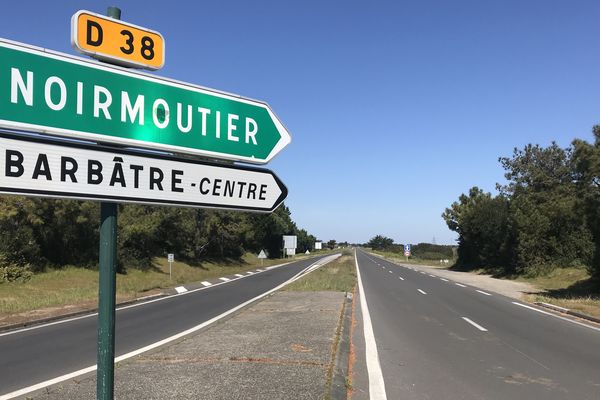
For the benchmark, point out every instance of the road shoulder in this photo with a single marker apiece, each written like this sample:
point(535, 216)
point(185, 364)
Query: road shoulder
point(279, 348)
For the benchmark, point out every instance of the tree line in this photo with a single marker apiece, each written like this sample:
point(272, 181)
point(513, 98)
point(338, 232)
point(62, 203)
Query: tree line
point(39, 233)
point(425, 251)
point(546, 216)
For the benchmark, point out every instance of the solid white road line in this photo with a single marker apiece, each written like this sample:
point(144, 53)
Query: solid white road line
point(482, 292)
point(225, 279)
point(459, 284)
point(476, 325)
point(376, 383)
point(557, 316)
point(152, 346)
point(444, 279)
point(180, 289)
point(206, 283)
point(401, 278)
point(422, 291)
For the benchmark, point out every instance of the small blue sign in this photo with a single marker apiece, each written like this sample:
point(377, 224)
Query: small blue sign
point(407, 247)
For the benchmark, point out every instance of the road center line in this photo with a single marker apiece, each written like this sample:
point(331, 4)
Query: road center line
point(376, 382)
point(482, 292)
point(476, 325)
point(401, 278)
point(422, 291)
point(391, 272)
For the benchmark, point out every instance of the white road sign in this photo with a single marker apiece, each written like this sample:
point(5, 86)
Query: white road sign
point(40, 167)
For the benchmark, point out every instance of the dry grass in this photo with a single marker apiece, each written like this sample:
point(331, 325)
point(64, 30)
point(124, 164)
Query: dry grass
point(567, 287)
point(339, 276)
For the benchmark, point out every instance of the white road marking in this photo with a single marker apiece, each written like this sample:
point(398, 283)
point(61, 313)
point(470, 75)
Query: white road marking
point(476, 325)
point(482, 292)
point(225, 279)
point(459, 284)
point(376, 382)
point(391, 272)
point(422, 291)
point(205, 283)
point(152, 346)
point(239, 275)
point(259, 270)
point(423, 272)
point(557, 316)
point(444, 279)
point(401, 278)
point(433, 276)
point(180, 289)
point(250, 273)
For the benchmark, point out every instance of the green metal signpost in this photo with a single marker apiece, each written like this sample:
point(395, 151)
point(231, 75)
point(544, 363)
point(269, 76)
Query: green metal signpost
point(52, 93)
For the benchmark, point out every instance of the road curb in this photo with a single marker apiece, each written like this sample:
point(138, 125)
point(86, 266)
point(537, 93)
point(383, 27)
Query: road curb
point(338, 389)
point(567, 311)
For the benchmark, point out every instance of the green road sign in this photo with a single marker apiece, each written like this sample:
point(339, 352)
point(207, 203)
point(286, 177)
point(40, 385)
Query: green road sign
point(58, 94)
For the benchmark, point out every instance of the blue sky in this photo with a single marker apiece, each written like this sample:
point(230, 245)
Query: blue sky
point(395, 107)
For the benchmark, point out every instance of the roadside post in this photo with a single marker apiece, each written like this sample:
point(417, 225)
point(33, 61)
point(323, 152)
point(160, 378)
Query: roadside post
point(262, 255)
point(107, 291)
point(170, 258)
point(407, 251)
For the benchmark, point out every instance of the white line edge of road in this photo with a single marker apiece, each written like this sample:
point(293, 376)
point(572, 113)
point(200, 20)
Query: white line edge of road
point(205, 284)
point(553, 315)
point(376, 382)
point(162, 342)
point(422, 291)
point(476, 325)
point(482, 292)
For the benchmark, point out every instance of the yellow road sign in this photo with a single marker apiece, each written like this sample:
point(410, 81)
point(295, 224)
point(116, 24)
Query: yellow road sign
point(118, 42)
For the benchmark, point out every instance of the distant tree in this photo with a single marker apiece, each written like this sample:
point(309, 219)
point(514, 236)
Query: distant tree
point(380, 242)
point(331, 244)
point(586, 159)
point(482, 223)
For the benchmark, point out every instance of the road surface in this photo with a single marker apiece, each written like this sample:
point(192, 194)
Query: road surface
point(437, 339)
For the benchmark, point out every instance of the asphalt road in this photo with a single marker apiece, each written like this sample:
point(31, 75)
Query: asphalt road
point(437, 339)
point(32, 356)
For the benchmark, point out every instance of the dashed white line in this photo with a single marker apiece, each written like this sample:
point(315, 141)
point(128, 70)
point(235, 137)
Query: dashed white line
point(476, 325)
point(239, 275)
point(423, 272)
point(556, 316)
point(390, 272)
point(259, 270)
point(422, 291)
point(433, 276)
point(250, 273)
point(180, 289)
point(460, 284)
point(401, 278)
point(225, 279)
point(482, 292)
point(444, 279)
point(205, 283)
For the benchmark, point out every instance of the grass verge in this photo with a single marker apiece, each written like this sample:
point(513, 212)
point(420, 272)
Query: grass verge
point(72, 289)
point(567, 287)
point(339, 276)
point(412, 259)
